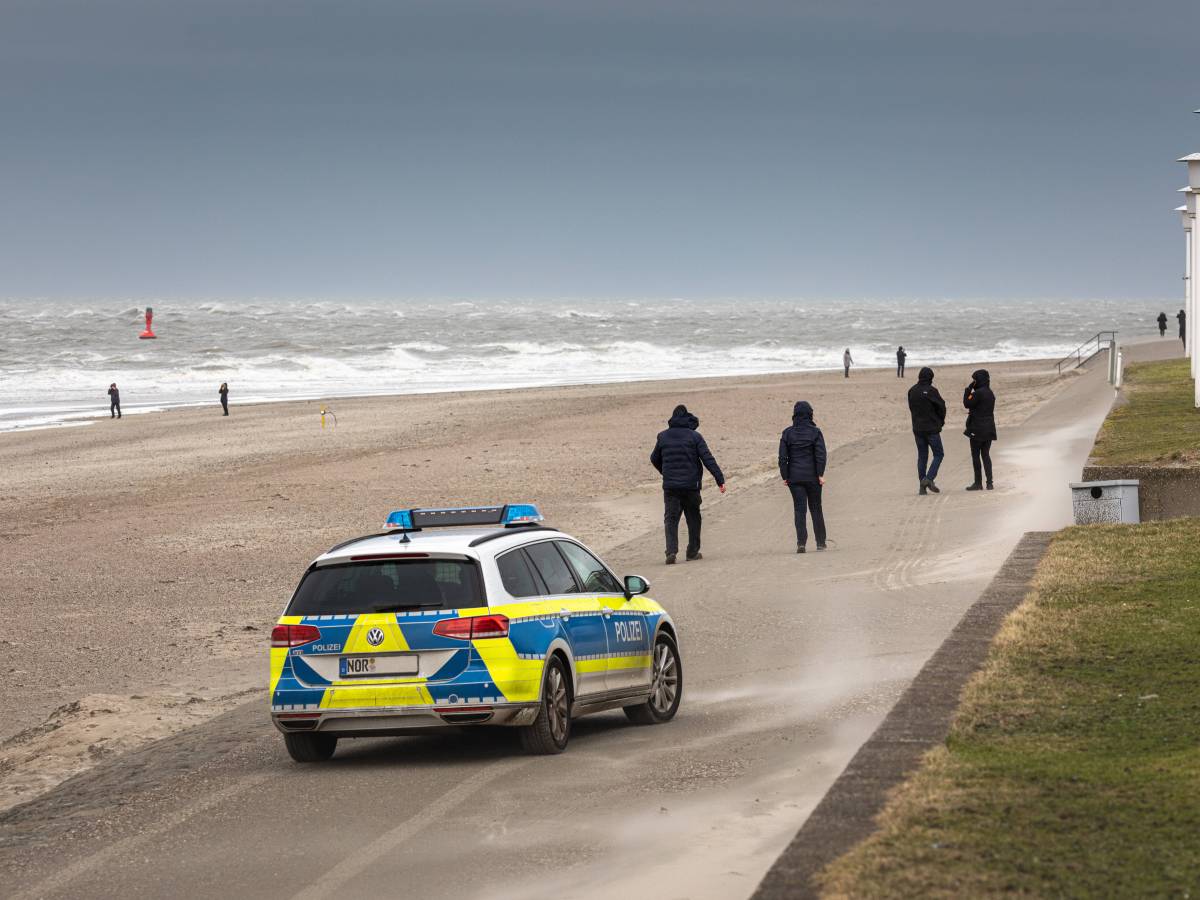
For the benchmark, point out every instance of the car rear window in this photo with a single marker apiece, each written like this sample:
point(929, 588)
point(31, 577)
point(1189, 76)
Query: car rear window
point(388, 586)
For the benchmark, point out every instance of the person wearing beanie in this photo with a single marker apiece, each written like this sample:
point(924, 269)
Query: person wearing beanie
point(928, 411)
point(681, 455)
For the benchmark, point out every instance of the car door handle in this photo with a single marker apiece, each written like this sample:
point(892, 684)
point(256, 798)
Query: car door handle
point(607, 612)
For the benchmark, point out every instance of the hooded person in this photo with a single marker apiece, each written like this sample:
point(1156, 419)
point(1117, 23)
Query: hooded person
point(1162, 324)
point(980, 403)
point(901, 356)
point(1181, 317)
point(223, 393)
point(928, 412)
point(802, 459)
point(114, 401)
point(681, 456)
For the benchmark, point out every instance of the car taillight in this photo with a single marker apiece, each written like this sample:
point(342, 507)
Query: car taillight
point(471, 628)
point(294, 635)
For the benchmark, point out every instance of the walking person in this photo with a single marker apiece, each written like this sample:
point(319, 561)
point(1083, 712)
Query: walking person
point(114, 401)
point(1162, 324)
point(901, 356)
point(981, 426)
point(681, 456)
point(1182, 317)
point(928, 412)
point(223, 392)
point(802, 467)
point(847, 361)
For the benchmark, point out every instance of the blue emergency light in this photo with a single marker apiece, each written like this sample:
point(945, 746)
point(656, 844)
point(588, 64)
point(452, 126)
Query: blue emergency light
point(509, 515)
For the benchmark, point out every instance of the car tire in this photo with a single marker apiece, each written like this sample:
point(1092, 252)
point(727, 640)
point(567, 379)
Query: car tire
point(666, 685)
point(551, 730)
point(310, 747)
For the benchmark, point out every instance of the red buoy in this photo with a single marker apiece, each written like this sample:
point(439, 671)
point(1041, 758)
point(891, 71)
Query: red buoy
point(149, 332)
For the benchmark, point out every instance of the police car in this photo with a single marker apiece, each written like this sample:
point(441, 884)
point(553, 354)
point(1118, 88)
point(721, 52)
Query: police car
point(439, 621)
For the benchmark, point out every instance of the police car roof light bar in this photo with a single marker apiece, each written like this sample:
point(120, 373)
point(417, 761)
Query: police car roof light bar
point(509, 515)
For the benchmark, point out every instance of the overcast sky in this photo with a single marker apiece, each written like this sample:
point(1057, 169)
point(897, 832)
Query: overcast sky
point(385, 148)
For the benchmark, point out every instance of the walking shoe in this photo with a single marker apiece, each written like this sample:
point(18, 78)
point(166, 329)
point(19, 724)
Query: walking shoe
point(670, 559)
point(800, 548)
point(975, 486)
point(821, 546)
point(924, 485)
point(989, 486)
point(933, 487)
point(692, 557)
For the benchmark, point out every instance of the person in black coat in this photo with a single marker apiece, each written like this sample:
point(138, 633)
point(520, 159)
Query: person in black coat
point(1162, 324)
point(681, 456)
point(223, 393)
point(802, 460)
point(928, 412)
point(114, 401)
point(981, 426)
point(1181, 316)
point(901, 356)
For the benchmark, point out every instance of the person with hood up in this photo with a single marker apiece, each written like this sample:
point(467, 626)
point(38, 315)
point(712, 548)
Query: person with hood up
point(1181, 316)
point(1162, 324)
point(802, 460)
point(847, 361)
point(928, 411)
point(681, 456)
point(981, 426)
point(223, 393)
point(901, 356)
point(114, 401)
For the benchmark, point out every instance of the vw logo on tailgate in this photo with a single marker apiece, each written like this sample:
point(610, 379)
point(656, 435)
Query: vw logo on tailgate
point(375, 637)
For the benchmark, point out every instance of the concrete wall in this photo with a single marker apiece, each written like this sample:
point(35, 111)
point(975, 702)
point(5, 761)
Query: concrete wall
point(1166, 492)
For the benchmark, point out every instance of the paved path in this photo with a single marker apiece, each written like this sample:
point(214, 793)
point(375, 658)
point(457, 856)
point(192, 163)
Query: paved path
point(791, 662)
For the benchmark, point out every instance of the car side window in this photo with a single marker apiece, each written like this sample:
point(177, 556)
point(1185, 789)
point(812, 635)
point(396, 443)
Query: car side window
point(553, 568)
point(591, 572)
point(517, 577)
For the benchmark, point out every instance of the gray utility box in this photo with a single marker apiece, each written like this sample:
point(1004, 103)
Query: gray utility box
point(1105, 503)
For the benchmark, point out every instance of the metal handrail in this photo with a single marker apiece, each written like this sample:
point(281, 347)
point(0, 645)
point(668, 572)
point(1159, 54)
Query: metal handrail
point(1099, 342)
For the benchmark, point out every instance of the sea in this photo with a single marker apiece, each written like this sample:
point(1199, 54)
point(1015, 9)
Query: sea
point(57, 358)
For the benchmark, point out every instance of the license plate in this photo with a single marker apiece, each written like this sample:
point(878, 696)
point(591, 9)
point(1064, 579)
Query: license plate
point(377, 666)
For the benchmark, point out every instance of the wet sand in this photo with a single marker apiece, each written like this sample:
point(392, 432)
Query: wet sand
point(147, 558)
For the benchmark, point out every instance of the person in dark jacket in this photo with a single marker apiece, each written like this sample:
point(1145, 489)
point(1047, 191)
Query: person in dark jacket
point(802, 467)
point(901, 356)
point(847, 361)
point(681, 456)
point(981, 426)
point(928, 411)
point(223, 393)
point(114, 401)
point(1182, 317)
point(1162, 324)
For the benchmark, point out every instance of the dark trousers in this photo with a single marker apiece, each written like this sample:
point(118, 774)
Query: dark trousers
point(981, 459)
point(806, 498)
point(925, 443)
point(225, 404)
point(114, 409)
point(687, 503)
point(847, 371)
point(899, 370)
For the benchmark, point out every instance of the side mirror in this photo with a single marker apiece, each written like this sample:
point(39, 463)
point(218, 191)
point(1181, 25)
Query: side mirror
point(635, 584)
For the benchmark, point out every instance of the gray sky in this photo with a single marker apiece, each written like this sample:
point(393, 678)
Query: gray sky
point(386, 148)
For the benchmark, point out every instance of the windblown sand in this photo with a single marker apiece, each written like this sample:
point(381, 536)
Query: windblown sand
point(147, 558)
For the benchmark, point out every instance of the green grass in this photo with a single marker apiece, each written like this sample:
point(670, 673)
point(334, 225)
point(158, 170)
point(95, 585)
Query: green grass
point(1073, 764)
point(1158, 424)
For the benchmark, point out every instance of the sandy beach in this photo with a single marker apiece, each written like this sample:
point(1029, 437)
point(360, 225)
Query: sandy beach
point(147, 557)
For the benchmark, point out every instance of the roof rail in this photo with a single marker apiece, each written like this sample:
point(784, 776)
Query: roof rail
point(508, 530)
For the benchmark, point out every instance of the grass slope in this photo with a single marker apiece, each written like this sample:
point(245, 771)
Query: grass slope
point(1073, 765)
point(1158, 424)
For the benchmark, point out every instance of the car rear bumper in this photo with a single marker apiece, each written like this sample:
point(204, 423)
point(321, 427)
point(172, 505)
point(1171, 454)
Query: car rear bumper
point(377, 720)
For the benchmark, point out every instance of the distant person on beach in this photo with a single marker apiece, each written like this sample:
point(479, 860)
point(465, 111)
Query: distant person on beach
point(981, 426)
point(802, 467)
point(1182, 317)
point(928, 411)
point(114, 401)
point(847, 361)
point(223, 392)
point(681, 456)
point(1162, 324)
point(901, 356)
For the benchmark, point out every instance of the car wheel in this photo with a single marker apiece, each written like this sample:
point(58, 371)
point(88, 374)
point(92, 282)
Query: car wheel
point(551, 729)
point(666, 685)
point(309, 747)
